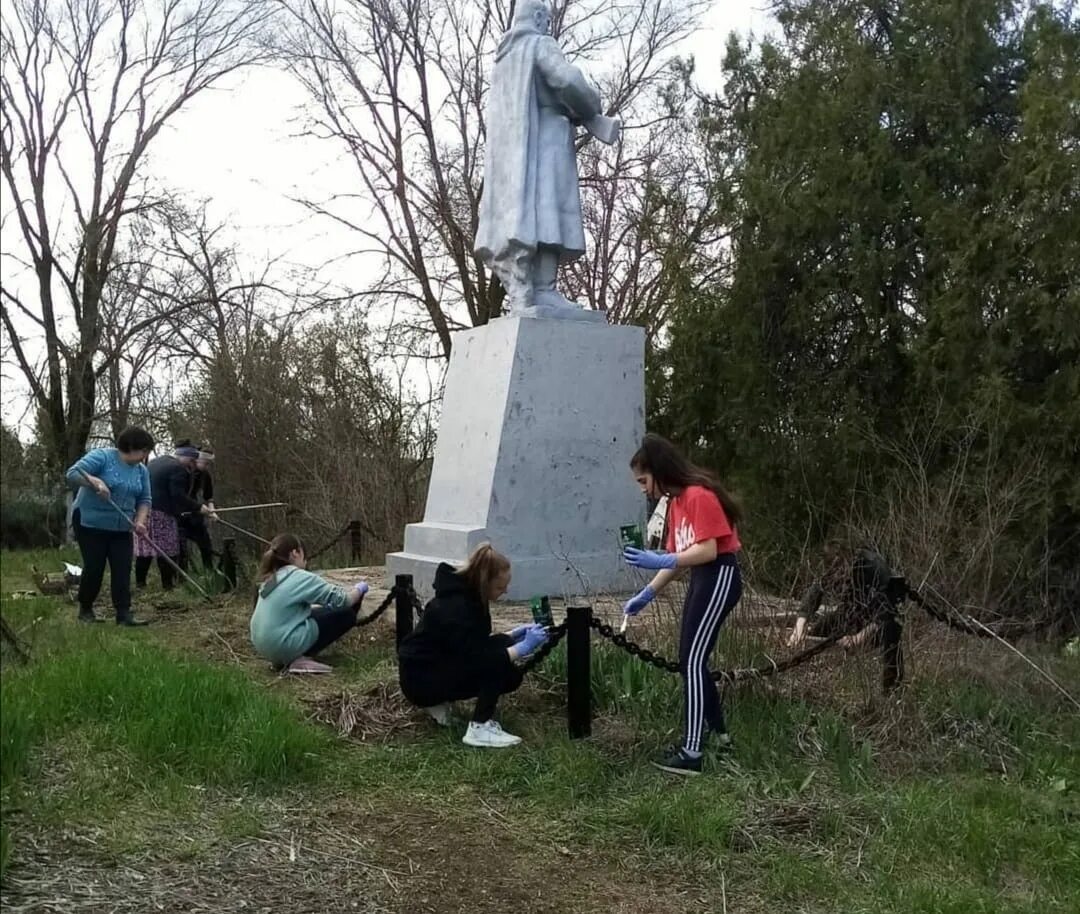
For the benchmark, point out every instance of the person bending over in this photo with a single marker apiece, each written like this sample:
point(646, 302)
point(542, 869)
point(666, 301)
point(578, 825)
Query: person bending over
point(867, 607)
point(298, 613)
point(701, 536)
point(102, 531)
point(452, 654)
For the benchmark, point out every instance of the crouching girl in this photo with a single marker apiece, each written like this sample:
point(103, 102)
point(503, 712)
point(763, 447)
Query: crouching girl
point(297, 613)
point(452, 654)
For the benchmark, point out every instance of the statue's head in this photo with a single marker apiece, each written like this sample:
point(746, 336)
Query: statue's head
point(533, 14)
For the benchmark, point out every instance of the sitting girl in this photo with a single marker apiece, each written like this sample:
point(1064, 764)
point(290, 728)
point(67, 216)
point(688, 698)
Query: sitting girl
point(452, 654)
point(286, 628)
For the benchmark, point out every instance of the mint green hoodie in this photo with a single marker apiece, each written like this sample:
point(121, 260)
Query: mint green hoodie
point(281, 626)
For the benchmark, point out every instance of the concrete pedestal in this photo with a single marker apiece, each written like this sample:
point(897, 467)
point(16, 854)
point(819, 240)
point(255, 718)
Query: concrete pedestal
point(540, 418)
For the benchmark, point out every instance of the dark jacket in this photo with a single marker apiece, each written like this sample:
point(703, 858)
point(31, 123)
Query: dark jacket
point(202, 485)
point(170, 483)
point(863, 598)
point(454, 634)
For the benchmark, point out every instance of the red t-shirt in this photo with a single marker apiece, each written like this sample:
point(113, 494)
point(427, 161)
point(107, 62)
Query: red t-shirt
point(697, 516)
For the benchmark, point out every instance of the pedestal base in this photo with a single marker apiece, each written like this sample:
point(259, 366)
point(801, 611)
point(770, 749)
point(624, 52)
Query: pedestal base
point(540, 418)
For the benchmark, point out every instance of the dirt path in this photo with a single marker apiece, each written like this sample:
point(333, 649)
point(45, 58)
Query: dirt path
point(465, 858)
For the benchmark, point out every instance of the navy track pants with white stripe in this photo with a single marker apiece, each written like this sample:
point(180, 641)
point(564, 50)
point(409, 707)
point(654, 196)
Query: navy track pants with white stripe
point(714, 590)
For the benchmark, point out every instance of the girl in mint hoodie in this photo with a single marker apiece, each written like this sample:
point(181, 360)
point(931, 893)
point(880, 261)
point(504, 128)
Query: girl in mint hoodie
point(286, 626)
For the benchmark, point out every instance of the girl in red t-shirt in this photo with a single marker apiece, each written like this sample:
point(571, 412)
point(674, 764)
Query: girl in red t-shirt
point(702, 520)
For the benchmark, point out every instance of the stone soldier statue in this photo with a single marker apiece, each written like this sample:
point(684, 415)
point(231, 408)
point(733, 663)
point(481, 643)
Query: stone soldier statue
point(530, 211)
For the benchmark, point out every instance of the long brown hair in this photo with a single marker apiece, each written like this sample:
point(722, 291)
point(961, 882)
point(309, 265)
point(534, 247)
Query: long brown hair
point(482, 567)
point(672, 470)
point(277, 554)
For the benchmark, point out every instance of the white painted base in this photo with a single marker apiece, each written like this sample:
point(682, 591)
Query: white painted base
point(539, 420)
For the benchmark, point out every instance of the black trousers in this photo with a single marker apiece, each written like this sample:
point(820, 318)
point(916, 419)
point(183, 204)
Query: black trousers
point(426, 685)
point(194, 530)
point(98, 548)
point(333, 623)
point(888, 636)
point(714, 590)
point(142, 571)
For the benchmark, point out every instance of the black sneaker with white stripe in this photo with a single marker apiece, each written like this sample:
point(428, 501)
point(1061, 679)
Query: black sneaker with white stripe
point(678, 762)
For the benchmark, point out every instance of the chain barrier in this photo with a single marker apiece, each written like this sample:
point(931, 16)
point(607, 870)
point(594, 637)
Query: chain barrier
point(556, 635)
point(759, 672)
point(382, 607)
point(671, 666)
point(417, 605)
point(634, 650)
point(962, 623)
point(337, 539)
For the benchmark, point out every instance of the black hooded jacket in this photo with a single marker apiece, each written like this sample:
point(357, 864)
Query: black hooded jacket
point(454, 633)
point(170, 482)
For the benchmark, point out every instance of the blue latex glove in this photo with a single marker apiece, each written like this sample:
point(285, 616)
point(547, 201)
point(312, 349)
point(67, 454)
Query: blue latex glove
point(535, 635)
point(516, 634)
point(362, 588)
point(654, 561)
point(639, 601)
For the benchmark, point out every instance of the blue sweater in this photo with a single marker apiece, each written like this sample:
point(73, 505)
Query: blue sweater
point(281, 627)
point(129, 484)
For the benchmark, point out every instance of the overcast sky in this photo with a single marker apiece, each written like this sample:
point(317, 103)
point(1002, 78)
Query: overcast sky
point(239, 148)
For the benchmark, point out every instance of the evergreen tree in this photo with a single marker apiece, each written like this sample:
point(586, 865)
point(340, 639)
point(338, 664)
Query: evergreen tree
point(902, 180)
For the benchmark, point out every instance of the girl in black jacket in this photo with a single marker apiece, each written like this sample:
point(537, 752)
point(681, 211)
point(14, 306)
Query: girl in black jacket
point(453, 655)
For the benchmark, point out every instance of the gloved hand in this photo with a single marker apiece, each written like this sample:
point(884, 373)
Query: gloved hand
point(362, 588)
point(516, 634)
point(642, 558)
point(534, 636)
point(639, 601)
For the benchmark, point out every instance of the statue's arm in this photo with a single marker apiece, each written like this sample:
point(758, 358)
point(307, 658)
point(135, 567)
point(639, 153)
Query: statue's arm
point(577, 94)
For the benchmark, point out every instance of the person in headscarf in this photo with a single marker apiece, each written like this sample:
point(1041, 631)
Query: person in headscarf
point(170, 487)
point(193, 527)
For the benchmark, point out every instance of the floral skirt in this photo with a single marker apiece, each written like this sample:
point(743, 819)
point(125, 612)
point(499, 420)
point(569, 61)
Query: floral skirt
point(164, 532)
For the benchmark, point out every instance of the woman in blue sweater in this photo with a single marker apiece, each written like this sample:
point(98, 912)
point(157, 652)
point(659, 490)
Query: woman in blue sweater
point(103, 533)
point(298, 613)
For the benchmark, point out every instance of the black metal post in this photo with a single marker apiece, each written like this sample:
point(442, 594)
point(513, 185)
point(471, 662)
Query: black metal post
point(228, 562)
point(578, 673)
point(403, 589)
point(356, 532)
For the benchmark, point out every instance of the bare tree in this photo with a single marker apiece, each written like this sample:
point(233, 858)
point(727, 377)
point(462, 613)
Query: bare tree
point(86, 88)
point(401, 84)
point(652, 212)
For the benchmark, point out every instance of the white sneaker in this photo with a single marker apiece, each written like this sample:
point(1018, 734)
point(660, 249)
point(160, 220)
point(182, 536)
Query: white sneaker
point(489, 735)
point(440, 714)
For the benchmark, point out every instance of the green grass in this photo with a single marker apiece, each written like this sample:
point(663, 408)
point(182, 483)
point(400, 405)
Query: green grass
point(167, 713)
point(15, 565)
point(973, 808)
point(161, 722)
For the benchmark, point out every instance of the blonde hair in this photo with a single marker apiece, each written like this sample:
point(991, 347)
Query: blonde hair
point(482, 567)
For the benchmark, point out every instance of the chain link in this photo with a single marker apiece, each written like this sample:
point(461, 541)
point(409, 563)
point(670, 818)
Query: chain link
point(337, 538)
point(634, 650)
point(417, 605)
point(380, 610)
point(555, 635)
point(671, 666)
point(773, 667)
point(969, 626)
